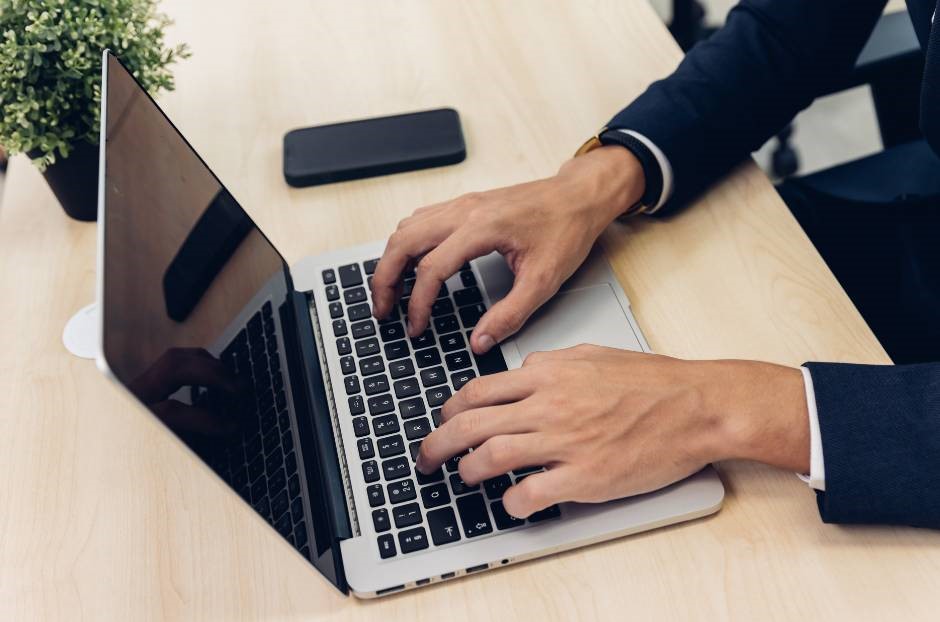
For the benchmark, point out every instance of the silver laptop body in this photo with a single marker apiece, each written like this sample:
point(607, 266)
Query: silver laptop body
point(336, 402)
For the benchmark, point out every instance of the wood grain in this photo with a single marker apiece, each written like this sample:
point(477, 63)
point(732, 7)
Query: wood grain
point(104, 516)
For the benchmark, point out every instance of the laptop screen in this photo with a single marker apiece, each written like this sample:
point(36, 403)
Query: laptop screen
point(194, 297)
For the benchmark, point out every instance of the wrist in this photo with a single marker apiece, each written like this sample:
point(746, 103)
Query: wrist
point(608, 181)
point(758, 412)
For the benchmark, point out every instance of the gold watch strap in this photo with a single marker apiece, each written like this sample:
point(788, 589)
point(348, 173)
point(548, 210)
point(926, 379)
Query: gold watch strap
point(590, 145)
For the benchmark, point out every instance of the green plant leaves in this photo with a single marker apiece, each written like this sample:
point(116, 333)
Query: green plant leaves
point(50, 59)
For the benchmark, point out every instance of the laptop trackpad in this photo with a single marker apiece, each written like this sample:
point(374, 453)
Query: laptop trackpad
point(587, 315)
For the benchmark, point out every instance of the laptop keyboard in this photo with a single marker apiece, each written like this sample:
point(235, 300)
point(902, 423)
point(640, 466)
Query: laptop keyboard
point(268, 478)
point(395, 387)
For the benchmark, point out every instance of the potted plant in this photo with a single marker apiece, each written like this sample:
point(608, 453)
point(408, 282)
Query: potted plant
point(50, 82)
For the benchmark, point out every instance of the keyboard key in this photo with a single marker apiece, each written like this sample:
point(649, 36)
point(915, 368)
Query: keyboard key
point(392, 332)
point(329, 277)
point(371, 365)
point(391, 446)
point(446, 324)
point(348, 365)
point(369, 265)
point(436, 476)
point(397, 350)
point(457, 360)
point(417, 428)
point(495, 487)
point(414, 447)
point(360, 426)
point(502, 518)
point(407, 286)
point(370, 471)
point(473, 515)
point(526, 470)
point(462, 297)
point(350, 276)
point(376, 495)
point(358, 312)
point(381, 404)
point(396, 468)
point(453, 341)
point(400, 369)
point(433, 376)
point(375, 384)
point(339, 328)
point(356, 405)
point(387, 546)
point(406, 387)
point(354, 296)
point(332, 292)
point(352, 384)
point(413, 540)
point(342, 346)
point(336, 310)
point(367, 347)
point(452, 462)
point(443, 526)
point(366, 449)
point(411, 408)
point(435, 495)
point(428, 357)
point(490, 363)
point(437, 396)
point(459, 486)
point(363, 329)
point(380, 520)
point(442, 307)
point(470, 315)
point(386, 424)
point(293, 485)
point(467, 278)
point(436, 417)
point(552, 511)
point(424, 340)
point(403, 490)
point(461, 378)
point(406, 515)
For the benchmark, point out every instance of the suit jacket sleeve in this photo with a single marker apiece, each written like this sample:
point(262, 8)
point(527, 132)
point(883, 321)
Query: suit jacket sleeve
point(880, 429)
point(741, 86)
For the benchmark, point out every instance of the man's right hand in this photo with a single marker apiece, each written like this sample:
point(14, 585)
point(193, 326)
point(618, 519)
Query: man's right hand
point(544, 229)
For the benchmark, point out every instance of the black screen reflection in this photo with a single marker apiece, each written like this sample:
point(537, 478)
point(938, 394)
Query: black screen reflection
point(192, 294)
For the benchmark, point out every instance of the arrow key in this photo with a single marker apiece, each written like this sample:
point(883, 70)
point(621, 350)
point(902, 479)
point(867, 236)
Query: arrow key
point(443, 525)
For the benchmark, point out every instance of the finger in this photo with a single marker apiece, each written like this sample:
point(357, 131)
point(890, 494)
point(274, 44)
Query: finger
point(501, 454)
point(437, 266)
point(508, 315)
point(502, 388)
point(469, 429)
point(538, 491)
point(403, 246)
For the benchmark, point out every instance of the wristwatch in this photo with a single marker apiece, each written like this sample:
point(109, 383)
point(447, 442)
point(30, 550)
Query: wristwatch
point(651, 170)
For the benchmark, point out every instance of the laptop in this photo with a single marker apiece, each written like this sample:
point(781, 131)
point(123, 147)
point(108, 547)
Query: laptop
point(280, 382)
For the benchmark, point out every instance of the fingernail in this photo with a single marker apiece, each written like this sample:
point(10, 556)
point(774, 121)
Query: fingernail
point(485, 342)
point(420, 465)
point(411, 329)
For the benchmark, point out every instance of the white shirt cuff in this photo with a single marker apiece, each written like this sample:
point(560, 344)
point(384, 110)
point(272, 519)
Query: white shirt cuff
point(664, 167)
point(817, 468)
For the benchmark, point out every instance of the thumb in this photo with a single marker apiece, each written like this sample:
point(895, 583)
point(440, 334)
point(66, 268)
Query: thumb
point(528, 293)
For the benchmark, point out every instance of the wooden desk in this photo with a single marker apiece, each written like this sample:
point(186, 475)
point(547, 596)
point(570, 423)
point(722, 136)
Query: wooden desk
point(104, 517)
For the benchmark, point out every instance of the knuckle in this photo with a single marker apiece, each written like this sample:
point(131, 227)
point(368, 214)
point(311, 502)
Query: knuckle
point(533, 358)
point(466, 424)
point(428, 265)
point(499, 451)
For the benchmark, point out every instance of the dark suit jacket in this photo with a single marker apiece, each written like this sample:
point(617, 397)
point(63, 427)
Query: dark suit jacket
point(880, 425)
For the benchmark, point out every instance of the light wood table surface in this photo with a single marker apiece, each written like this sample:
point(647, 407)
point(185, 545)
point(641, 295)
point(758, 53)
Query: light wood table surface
point(104, 517)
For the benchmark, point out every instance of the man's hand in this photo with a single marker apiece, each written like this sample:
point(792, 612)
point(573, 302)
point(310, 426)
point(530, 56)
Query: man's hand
point(610, 423)
point(543, 228)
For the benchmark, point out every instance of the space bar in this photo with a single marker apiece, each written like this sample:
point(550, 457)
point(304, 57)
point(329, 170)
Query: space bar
point(490, 363)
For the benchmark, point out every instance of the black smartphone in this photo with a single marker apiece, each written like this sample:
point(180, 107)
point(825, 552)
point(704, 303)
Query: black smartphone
point(324, 154)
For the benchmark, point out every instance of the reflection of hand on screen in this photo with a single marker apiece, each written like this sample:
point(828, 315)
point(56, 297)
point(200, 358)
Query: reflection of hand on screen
point(181, 367)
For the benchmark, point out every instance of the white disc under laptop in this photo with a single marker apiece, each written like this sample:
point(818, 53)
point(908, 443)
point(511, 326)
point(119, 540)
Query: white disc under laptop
point(81, 332)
